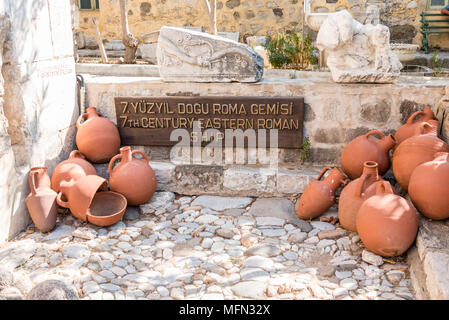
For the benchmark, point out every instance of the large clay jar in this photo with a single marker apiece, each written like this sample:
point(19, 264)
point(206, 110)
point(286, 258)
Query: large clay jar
point(409, 128)
point(41, 202)
point(134, 178)
point(416, 150)
point(367, 148)
point(79, 194)
point(355, 193)
point(74, 168)
point(428, 187)
point(97, 137)
point(319, 195)
point(387, 223)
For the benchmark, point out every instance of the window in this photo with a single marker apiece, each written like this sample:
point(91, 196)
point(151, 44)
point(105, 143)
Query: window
point(438, 4)
point(89, 4)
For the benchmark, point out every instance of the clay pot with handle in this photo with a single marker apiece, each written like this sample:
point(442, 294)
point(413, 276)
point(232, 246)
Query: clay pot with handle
point(41, 202)
point(367, 148)
point(319, 195)
point(428, 187)
point(134, 178)
point(355, 193)
point(387, 223)
point(74, 168)
point(416, 150)
point(97, 137)
point(409, 128)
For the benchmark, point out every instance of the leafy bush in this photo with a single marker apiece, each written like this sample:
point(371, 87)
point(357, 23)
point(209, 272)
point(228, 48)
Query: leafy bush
point(285, 51)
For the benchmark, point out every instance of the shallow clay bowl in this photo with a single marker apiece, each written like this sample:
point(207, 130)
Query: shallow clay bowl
point(107, 208)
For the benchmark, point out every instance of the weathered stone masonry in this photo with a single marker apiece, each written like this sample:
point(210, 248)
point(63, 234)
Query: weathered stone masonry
point(37, 99)
point(251, 17)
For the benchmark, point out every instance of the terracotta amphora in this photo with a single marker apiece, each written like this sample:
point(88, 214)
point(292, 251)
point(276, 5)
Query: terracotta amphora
point(134, 178)
point(41, 202)
point(367, 148)
point(97, 137)
point(80, 193)
point(74, 168)
point(429, 187)
point(409, 128)
point(355, 193)
point(387, 223)
point(319, 195)
point(416, 150)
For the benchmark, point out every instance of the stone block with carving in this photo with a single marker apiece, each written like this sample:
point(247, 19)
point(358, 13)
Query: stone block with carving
point(357, 52)
point(185, 55)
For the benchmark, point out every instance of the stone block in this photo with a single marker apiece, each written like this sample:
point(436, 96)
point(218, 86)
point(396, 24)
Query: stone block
point(292, 181)
point(378, 111)
point(194, 179)
point(329, 135)
point(250, 179)
point(164, 174)
point(148, 52)
point(436, 267)
point(185, 55)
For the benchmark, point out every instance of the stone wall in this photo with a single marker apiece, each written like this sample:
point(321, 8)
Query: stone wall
point(37, 99)
point(334, 115)
point(252, 17)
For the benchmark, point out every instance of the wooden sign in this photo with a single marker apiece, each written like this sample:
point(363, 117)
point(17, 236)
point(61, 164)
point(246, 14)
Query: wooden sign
point(150, 121)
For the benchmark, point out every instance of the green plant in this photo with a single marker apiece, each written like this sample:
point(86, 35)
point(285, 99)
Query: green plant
point(437, 64)
point(304, 152)
point(286, 51)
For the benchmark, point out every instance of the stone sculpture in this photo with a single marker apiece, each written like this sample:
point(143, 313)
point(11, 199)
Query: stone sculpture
point(357, 52)
point(185, 55)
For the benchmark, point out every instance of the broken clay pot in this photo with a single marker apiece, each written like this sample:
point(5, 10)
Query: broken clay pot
point(80, 193)
point(107, 208)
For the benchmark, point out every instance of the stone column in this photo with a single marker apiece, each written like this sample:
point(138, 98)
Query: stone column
point(39, 98)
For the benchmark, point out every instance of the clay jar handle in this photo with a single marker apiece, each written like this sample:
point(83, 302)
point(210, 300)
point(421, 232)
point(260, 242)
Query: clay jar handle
point(374, 132)
point(323, 172)
point(360, 183)
point(424, 128)
point(60, 202)
point(412, 118)
point(111, 163)
point(78, 122)
point(384, 187)
point(32, 181)
point(142, 154)
point(76, 154)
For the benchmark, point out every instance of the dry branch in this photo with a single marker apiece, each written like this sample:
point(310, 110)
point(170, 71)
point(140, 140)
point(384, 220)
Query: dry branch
point(104, 57)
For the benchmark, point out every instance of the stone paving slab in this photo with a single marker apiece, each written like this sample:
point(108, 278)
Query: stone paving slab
point(177, 248)
point(430, 265)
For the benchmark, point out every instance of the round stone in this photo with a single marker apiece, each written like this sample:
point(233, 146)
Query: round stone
point(52, 290)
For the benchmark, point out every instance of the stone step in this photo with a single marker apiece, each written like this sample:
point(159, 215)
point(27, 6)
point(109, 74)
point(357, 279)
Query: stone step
point(231, 180)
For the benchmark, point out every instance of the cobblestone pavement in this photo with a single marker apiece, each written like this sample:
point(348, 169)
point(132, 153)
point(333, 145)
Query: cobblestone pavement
point(205, 247)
